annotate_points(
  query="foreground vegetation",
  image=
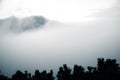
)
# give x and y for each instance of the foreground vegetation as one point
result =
(106, 70)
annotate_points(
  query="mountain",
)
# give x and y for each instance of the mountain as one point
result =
(18, 25)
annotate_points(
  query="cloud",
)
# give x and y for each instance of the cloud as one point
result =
(14, 24)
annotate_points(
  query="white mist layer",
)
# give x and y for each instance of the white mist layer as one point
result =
(49, 48)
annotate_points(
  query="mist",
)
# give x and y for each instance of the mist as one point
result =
(59, 43)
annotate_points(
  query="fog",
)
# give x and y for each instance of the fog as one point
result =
(57, 43)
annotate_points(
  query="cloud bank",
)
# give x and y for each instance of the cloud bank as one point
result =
(14, 24)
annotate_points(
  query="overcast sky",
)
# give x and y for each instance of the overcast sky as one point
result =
(61, 10)
(57, 43)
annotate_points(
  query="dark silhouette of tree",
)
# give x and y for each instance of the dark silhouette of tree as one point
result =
(60, 74)
(37, 75)
(100, 65)
(50, 75)
(2, 77)
(90, 69)
(43, 75)
(78, 73)
(18, 76)
(64, 73)
(29, 76)
(106, 70)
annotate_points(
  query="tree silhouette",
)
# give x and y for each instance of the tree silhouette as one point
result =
(64, 73)
(78, 72)
(18, 76)
(106, 70)
(50, 75)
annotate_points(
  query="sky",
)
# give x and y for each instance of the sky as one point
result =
(59, 43)
(60, 10)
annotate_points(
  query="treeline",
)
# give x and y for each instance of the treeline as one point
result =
(106, 70)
